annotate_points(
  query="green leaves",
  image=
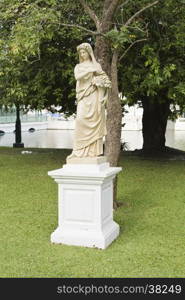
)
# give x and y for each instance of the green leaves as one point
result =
(156, 68)
(29, 31)
(157, 74)
(120, 38)
(37, 54)
(167, 71)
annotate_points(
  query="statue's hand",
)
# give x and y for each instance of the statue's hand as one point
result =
(98, 68)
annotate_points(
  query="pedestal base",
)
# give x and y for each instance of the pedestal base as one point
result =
(99, 239)
(85, 212)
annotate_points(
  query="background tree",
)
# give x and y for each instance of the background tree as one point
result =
(37, 56)
(37, 59)
(153, 72)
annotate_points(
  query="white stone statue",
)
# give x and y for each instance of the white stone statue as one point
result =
(92, 86)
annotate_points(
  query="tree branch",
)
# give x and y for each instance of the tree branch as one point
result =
(106, 4)
(110, 10)
(82, 28)
(138, 41)
(114, 59)
(139, 12)
(91, 13)
(136, 28)
(132, 27)
(123, 4)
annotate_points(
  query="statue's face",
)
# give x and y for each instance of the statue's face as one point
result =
(84, 55)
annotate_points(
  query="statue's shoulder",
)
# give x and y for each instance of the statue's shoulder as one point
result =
(77, 68)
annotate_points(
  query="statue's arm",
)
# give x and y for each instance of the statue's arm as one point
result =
(82, 72)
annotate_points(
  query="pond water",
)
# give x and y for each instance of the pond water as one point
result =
(63, 139)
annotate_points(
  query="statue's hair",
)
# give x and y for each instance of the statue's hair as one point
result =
(87, 47)
(84, 46)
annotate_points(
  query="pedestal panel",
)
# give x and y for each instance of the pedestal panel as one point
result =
(85, 214)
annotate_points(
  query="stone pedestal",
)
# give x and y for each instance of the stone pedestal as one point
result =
(85, 203)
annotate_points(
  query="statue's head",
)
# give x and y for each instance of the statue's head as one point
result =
(84, 48)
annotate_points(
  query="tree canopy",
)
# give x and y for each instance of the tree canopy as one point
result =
(153, 72)
(38, 54)
(38, 47)
(157, 64)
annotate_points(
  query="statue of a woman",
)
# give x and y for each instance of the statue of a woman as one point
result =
(92, 86)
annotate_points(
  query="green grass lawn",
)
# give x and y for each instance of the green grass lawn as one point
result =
(152, 220)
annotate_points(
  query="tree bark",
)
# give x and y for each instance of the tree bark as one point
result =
(114, 111)
(102, 54)
(155, 117)
(114, 117)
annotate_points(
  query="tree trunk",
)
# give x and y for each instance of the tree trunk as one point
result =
(114, 112)
(114, 116)
(155, 117)
(102, 54)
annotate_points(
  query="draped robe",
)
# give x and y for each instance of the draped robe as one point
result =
(90, 123)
